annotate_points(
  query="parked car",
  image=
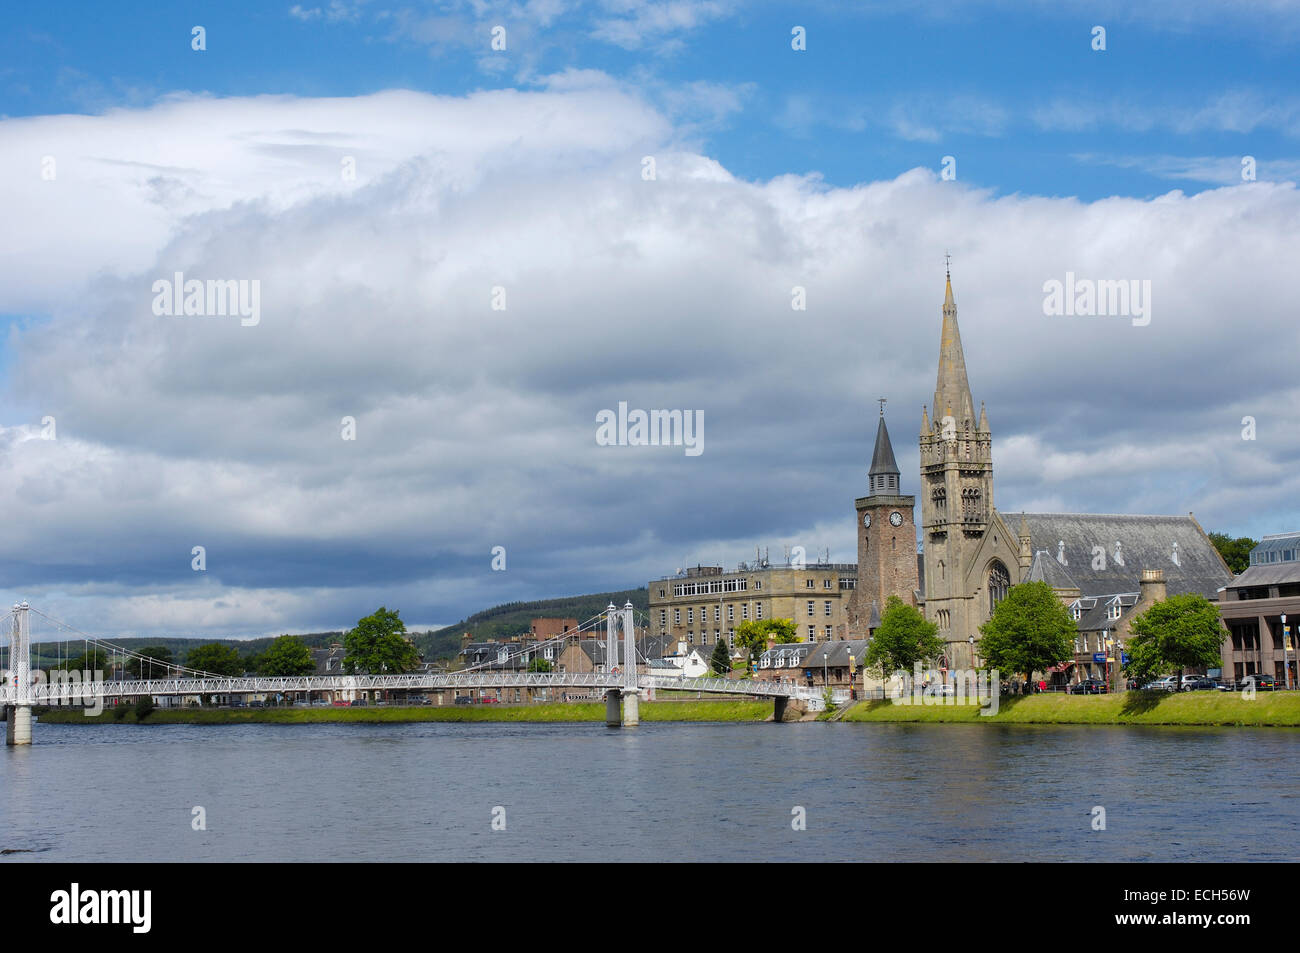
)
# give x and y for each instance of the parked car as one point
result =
(1089, 686)
(488, 700)
(1261, 682)
(1165, 684)
(342, 704)
(1201, 684)
(464, 700)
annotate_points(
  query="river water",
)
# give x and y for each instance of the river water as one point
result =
(671, 792)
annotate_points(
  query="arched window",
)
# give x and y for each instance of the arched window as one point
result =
(999, 583)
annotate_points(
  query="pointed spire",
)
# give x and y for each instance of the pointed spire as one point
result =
(984, 419)
(925, 421)
(951, 389)
(884, 474)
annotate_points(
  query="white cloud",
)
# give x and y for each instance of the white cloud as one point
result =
(476, 427)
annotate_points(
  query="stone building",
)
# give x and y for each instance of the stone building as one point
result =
(705, 603)
(973, 555)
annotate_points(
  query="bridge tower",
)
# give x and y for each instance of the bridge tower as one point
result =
(630, 714)
(18, 722)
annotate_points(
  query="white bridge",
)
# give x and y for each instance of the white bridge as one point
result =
(23, 690)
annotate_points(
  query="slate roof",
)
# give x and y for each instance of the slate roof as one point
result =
(1145, 542)
(1046, 569)
(1094, 617)
(1276, 574)
(839, 652)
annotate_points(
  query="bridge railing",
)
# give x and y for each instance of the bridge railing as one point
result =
(72, 692)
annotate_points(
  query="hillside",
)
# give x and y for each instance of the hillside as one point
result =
(498, 622)
(513, 618)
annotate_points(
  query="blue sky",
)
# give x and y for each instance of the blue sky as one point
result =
(476, 169)
(1014, 92)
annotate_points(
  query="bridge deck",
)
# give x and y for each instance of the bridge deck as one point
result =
(66, 691)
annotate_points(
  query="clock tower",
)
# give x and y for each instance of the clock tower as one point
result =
(886, 539)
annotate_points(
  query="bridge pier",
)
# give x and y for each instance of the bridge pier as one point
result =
(18, 725)
(631, 709)
(613, 717)
(778, 708)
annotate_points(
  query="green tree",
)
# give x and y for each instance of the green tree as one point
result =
(215, 658)
(1235, 552)
(752, 635)
(1029, 631)
(89, 661)
(378, 644)
(720, 660)
(287, 655)
(902, 639)
(1179, 633)
(143, 707)
(154, 664)
(540, 665)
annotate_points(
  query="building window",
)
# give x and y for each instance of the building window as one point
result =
(811, 609)
(731, 613)
(808, 584)
(812, 633)
(1076, 611)
(848, 583)
(717, 613)
(758, 583)
(758, 610)
(663, 618)
(828, 633)
(827, 604)
(677, 617)
(826, 583)
(744, 611)
(690, 616)
(661, 593)
(999, 583)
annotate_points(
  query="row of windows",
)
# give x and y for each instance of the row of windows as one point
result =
(812, 607)
(712, 585)
(1273, 556)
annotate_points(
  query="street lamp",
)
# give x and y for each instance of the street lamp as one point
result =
(1286, 646)
(826, 678)
(972, 651)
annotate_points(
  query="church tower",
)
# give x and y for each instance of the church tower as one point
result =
(969, 554)
(886, 537)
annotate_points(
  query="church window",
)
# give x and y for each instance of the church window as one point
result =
(999, 583)
(941, 569)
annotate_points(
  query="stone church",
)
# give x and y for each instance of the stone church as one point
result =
(1107, 568)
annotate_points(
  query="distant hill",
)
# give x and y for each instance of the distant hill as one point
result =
(513, 618)
(499, 622)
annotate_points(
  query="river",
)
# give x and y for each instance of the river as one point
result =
(659, 792)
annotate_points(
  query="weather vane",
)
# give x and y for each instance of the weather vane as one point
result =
(947, 259)
(882, 405)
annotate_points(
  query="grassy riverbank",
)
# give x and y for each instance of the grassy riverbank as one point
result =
(558, 712)
(1128, 708)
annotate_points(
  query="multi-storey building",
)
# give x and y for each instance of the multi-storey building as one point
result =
(705, 603)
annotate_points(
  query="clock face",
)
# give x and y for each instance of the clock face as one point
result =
(866, 520)
(896, 518)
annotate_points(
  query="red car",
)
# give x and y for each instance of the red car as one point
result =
(485, 700)
(343, 704)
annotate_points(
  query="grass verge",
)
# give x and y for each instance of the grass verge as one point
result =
(1267, 709)
(557, 712)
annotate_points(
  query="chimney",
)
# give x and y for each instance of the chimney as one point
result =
(1153, 586)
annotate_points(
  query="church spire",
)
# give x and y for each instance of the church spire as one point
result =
(884, 474)
(951, 389)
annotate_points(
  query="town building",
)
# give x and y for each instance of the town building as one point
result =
(1253, 606)
(972, 555)
(704, 604)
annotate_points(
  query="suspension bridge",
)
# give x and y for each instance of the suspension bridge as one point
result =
(622, 685)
